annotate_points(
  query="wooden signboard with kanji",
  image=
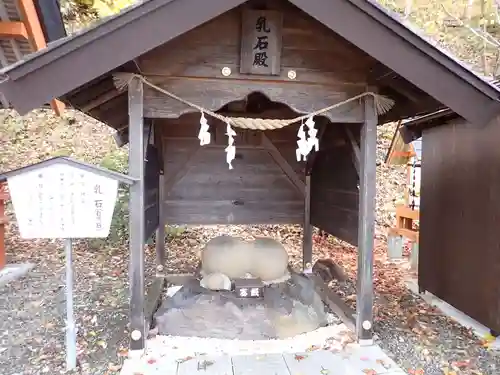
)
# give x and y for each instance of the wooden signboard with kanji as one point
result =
(261, 42)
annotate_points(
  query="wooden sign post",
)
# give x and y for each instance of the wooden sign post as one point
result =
(64, 198)
(261, 42)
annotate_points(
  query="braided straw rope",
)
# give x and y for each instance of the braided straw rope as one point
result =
(382, 105)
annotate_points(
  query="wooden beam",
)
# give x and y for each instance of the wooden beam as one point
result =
(13, 30)
(153, 297)
(100, 100)
(366, 223)
(30, 18)
(136, 208)
(333, 301)
(283, 164)
(179, 173)
(57, 106)
(307, 232)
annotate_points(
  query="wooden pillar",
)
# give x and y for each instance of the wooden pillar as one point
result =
(160, 232)
(136, 220)
(307, 243)
(366, 222)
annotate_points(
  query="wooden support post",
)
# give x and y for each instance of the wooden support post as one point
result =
(137, 216)
(160, 232)
(307, 243)
(3, 222)
(366, 222)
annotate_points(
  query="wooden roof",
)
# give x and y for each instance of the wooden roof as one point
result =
(404, 56)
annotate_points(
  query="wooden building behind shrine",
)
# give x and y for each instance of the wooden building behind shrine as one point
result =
(459, 253)
(260, 59)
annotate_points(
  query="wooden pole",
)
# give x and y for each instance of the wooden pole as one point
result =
(307, 243)
(366, 222)
(160, 232)
(3, 222)
(70, 319)
(161, 256)
(137, 215)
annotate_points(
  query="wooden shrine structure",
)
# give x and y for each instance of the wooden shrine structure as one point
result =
(252, 68)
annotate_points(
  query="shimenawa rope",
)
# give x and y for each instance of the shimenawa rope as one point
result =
(382, 105)
(305, 144)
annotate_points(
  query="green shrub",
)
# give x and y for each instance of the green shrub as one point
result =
(117, 161)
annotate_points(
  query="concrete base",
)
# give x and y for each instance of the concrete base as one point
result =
(13, 272)
(414, 257)
(394, 247)
(453, 313)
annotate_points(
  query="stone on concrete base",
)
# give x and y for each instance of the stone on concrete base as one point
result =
(394, 247)
(13, 272)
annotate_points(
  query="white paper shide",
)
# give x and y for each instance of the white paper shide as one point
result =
(62, 201)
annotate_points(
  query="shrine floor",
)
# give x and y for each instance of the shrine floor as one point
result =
(353, 360)
(325, 351)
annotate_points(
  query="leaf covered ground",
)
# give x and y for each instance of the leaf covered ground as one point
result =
(32, 309)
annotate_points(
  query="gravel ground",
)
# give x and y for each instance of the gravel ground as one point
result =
(32, 312)
(414, 334)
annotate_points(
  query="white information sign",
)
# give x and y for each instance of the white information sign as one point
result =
(63, 201)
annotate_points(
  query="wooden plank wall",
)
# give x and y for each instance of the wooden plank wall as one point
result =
(200, 189)
(334, 181)
(328, 68)
(459, 254)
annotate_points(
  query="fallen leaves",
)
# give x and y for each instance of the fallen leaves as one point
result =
(182, 360)
(102, 344)
(299, 357)
(447, 371)
(383, 363)
(313, 348)
(114, 368)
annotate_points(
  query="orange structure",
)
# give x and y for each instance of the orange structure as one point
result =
(21, 27)
(22, 33)
(407, 213)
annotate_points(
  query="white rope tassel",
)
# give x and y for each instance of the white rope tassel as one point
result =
(302, 144)
(204, 134)
(230, 149)
(313, 141)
